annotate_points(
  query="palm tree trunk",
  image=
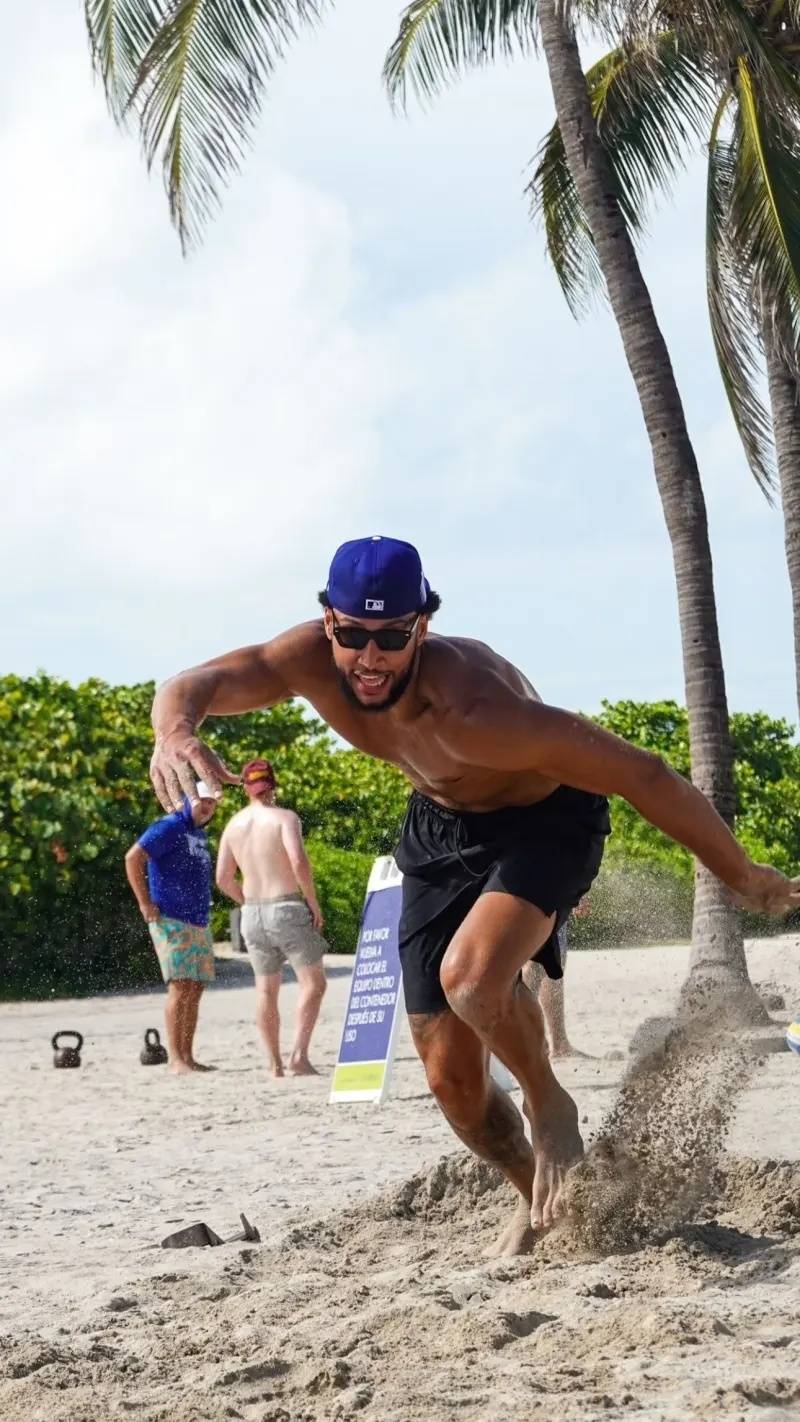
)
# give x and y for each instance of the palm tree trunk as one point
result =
(717, 961)
(785, 401)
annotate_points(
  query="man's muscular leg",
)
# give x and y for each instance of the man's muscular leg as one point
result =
(482, 1116)
(479, 977)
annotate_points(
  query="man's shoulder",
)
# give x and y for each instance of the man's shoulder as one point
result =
(298, 658)
(462, 670)
(299, 645)
(466, 652)
(261, 815)
(163, 834)
(241, 826)
(165, 824)
(283, 815)
(239, 817)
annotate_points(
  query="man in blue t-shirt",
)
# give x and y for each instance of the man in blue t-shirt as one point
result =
(169, 871)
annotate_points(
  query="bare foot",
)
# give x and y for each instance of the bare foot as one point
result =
(302, 1068)
(517, 1237)
(275, 1070)
(180, 1069)
(557, 1146)
(198, 1066)
(560, 1051)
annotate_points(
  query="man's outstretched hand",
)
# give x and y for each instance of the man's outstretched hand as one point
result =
(179, 760)
(766, 890)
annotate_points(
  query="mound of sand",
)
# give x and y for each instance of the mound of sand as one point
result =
(672, 1293)
(656, 1160)
(384, 1313)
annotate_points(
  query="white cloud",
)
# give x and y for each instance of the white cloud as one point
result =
(368, 340)
(159, 431)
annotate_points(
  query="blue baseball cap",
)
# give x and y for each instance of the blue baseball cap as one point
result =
(377, 577)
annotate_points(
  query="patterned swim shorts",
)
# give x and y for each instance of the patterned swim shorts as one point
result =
(185, 950)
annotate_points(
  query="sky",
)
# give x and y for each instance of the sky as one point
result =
(370, 340)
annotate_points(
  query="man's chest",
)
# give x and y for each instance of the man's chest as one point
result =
(418, 747)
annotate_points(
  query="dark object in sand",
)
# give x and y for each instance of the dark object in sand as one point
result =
(197, 1235)
(152, 1053)
(67, 1056)
(249, 1232)
(192, 1236)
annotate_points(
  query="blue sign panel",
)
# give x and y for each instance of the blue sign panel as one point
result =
(375, 1004)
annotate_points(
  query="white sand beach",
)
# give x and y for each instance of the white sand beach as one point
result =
(367, 1294)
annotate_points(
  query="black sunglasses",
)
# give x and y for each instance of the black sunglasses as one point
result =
(354, 637)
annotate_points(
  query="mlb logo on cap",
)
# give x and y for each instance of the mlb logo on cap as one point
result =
(377, 576)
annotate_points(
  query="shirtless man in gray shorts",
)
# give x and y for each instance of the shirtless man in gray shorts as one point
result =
(280, 924)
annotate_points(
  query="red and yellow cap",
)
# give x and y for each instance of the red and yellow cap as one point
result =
(258, 776)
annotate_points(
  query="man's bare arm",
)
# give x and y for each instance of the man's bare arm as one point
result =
(574, 751)
(227, 870)
(245, 680)
(292, 837)
(136, 872)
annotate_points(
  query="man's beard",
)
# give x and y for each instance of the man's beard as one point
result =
(399, 687)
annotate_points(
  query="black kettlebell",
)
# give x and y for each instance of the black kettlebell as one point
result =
(67, 1056)
(152, 1053)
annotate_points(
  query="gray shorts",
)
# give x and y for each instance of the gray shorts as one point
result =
(278, 931)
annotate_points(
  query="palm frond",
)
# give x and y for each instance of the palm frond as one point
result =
(199, 92)
(570, 245)
(440, 39)
(652, 104)
(734, 327)
(120, 33)
(727, 31)
(765, 206)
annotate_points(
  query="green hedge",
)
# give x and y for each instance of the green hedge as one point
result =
(644, 892)
(74, 795)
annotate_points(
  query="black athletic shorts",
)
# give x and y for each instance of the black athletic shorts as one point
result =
(547, 853)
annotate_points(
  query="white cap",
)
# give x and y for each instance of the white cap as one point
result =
(203, 792)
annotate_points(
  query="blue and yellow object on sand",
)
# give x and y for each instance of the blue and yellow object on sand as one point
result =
(793, 1035)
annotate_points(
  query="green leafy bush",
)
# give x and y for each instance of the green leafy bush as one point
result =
(766, 774)
(74, 795)
(341, 876)
(767, 780)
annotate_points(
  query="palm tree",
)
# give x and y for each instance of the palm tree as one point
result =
(784, 394)
(194, 72)
(735, 87)
(437, 40)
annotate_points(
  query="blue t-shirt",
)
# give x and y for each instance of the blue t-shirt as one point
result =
(179, 867)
